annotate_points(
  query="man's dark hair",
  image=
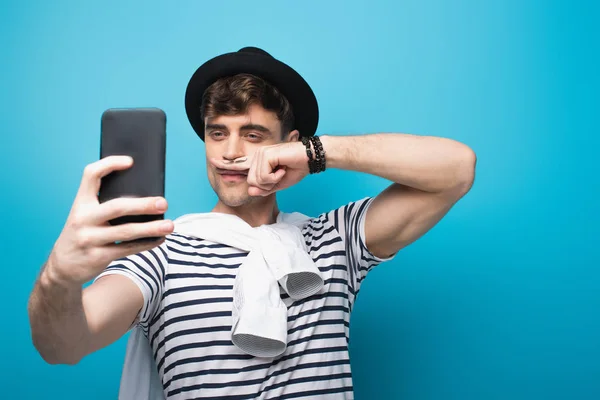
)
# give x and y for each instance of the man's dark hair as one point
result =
(233, 95)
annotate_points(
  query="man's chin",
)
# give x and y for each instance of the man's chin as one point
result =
(235, 201)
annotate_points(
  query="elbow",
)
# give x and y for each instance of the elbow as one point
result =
(58, 359)
(53, 359)
(65, 361)
(53, 356)
(465, 176)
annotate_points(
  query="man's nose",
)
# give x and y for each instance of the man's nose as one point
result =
(234, 148)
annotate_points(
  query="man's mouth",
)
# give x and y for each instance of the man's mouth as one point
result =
(231, 172)
(232, 176)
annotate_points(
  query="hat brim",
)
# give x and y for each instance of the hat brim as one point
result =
(283, 77)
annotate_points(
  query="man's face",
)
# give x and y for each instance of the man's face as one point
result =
(231, 137)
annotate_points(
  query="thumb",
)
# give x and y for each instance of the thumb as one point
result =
(278, 174)
(94, 172)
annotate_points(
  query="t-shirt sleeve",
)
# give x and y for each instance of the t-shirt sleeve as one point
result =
(349, 221)
(147, 271)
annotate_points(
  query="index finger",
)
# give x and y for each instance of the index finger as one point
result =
(94, 172)
(242, 166)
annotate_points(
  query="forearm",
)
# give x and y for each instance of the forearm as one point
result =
(58, 324)
(427, 163)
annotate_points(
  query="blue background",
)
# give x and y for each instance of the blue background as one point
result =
(500, 300)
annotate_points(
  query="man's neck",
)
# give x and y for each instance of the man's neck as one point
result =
(255, 214)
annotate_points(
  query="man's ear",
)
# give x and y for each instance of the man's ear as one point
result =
(293, 136)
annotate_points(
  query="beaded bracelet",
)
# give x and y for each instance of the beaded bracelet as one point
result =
(316, 164)
(319, 152)
(306, 143)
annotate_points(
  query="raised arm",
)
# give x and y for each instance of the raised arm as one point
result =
(430, 175)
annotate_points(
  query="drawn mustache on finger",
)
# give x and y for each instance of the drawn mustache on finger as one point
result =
(237, 160)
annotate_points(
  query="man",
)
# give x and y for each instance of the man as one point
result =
(257, 117)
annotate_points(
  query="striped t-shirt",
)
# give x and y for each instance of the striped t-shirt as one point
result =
(187, 285)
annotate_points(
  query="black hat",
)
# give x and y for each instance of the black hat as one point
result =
(255, 61)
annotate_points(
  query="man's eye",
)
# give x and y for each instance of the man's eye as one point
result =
(253, 136)
(216, 134)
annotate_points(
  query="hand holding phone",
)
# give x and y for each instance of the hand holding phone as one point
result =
(88, 242)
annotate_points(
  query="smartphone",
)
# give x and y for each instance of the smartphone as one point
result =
(141, 134)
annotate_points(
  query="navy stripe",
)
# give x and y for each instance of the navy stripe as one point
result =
(369, 260)
(166, 258)
(335, 335)
(198, 275)
(292, 343)
(165, 255)
(323, 322)
(318, 364)
(202, 264)
(230, 397)
(336, 219)
(318, 297)
(198, 245)
(329, 255)
(192, 346)
(316, 393)
(216, 385)
(160, 264)
(243, 383)
(195, 317)
(317, 311)
(152, 276)
(324, 243)
(181, 304)
(321, 350)
(357, 233)
(189, 317)
(258, 381)
(342, 282)
(231, 357)
(184, 332)
(348, 245)
(315, 226)
(312, 238)
(209, 255)
(336, 280)
(212, 357)
(305, 380)
(351, 290)
(260, 366)
(196, 288)
(194, 302)
(210, 329)
(251, 368)
(348, 212)
(338, 267)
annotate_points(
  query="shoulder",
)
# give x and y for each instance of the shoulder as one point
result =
(338, 218)
(343, 213)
